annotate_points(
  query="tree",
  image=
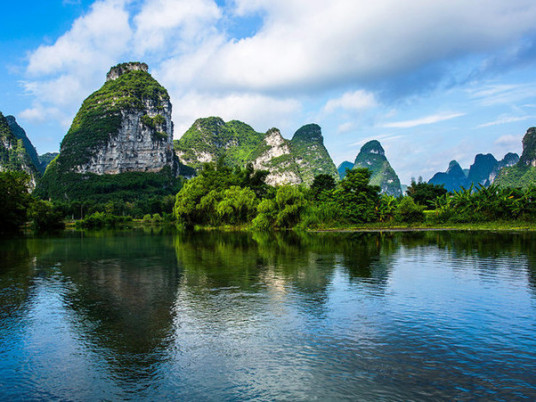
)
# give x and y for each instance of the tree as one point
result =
(356, 197)
(14, 200)
(425, 194)
(45, 216)
(321, 186)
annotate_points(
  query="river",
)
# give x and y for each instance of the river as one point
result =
(157, 314)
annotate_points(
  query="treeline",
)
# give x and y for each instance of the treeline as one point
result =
(223, 196)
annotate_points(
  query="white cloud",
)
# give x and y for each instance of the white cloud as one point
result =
(175, 24)
(504, 120)
(356, 100)
(303, 47)
(509, 140)
(345, 127)
(248, 108)
(436, 118)
(93, 41)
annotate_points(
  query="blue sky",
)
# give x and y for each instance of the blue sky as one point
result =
(432, 81)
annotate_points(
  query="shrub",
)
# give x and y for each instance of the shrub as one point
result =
(408, 211)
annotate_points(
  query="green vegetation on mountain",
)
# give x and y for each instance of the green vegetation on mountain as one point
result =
(372, 157)
(523, 173)
(299, 160)
(13, 153)
(311, 155)
(19, 132)
(100, 115)
(46, 158)
(210, 138)
(124, 100)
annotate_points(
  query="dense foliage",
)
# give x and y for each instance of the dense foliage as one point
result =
(19, 207)
(425, 194)
(130, 193)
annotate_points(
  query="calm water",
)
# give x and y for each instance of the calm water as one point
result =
(219, 316)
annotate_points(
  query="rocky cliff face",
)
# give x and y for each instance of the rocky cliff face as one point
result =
(453, 179)
(14, 155)
(123, 127)
(372, 156)
(311, 155)
(274, 154)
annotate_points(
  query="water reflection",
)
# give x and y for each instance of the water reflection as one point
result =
(166, 315)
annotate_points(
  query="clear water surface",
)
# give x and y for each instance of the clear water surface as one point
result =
(158, 315)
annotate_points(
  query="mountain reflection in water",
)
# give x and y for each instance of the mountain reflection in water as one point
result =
(158, 314)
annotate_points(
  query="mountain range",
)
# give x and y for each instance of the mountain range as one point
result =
(125, 129)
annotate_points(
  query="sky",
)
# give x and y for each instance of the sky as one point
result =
(433, 81)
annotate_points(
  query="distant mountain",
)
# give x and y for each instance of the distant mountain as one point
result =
(481, 170)
(523, 173)
(288, 161)
(372, 156)
(453, 179)
(14, 155)
(311, 155)
(343, 167)
(45, 159)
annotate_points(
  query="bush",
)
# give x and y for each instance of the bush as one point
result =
(408, 211)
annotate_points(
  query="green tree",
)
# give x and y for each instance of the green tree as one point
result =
(237, 205)
(425, 194)
(321, 186)
(45, 216)
(356, 197)
(14, 200)
(408, 211)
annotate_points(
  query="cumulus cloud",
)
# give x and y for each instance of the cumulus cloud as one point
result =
(244, 107)
(93, 41)
(356, 100)
(175, 24)
(435, 118)
(321, 45)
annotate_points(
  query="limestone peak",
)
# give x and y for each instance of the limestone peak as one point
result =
(123, 68)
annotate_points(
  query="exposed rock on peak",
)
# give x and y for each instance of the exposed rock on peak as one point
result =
(372, 156)
(274, 154)
(123, 68)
